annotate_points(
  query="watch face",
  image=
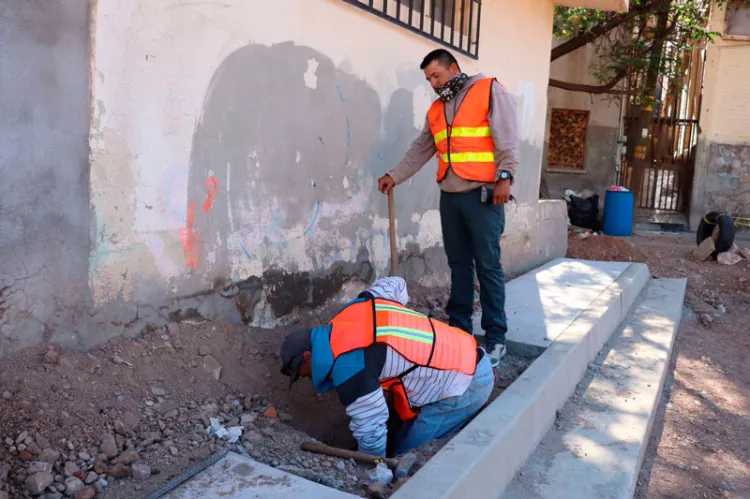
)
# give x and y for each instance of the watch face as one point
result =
(505, 175)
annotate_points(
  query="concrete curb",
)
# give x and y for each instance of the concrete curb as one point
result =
(484, 457)
(597, 445)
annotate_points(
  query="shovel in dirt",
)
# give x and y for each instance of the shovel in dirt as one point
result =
(392, 233)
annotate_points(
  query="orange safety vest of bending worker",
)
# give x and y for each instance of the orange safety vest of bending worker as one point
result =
(422, 341)
(466, 145)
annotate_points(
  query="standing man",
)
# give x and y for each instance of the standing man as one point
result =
(472, 129)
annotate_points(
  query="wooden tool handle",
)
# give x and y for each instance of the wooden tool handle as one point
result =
(392, 233)
(347, 454)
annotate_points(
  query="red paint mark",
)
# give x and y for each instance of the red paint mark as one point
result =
(189, 238)
(212, 186)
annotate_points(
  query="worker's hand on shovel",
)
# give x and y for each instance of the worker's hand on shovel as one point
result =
(386, 184)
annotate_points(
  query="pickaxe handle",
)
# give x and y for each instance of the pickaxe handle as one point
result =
(347, 454)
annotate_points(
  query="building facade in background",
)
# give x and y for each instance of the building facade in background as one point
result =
(171, 159)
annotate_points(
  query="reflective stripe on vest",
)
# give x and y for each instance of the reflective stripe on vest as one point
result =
(466, 146)
(422, 341)
(464, 131)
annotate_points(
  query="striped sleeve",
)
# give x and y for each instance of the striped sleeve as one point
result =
(369, 415)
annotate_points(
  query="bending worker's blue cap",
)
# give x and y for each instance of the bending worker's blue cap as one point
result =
(292, 353)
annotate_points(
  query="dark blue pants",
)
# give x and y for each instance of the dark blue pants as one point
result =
(471, 236)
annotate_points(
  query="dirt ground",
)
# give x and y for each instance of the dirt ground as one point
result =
(129, 416)
(700, 445)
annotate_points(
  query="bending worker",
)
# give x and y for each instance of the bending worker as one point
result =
(436, 375)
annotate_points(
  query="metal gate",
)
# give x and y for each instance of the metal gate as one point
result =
(666, 183)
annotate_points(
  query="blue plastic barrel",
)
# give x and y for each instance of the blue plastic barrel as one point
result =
(618, 213)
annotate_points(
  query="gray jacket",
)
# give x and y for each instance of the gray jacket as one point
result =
(502, 118)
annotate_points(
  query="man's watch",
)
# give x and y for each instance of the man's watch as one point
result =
(506, 176)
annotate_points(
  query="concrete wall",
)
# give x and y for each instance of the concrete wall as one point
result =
(601, 137)
(722, 169)
(44, 208)
(233, 154)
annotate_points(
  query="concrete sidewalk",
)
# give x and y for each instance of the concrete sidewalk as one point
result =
(596, 447)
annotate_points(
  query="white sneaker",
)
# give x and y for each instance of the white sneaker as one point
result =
(497, 353)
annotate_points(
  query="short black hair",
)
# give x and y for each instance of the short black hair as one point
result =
(443, 56)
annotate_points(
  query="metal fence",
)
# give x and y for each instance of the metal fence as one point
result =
(452, 23)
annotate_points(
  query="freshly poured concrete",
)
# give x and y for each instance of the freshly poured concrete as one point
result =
(483, 458)
(544, 303)
(596, 448)
(238, 477)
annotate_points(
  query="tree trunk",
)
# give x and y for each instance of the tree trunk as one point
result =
(639, 152)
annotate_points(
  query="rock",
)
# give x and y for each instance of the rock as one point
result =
(51, 357)
(38, 467)
(151, 438)
(141, 471)
(271, 413)
(120, 471)
(42, 442)
(254, 437)
(53, 495)
(37, 482)
(707, 320)
(72, 486)
(377, 490)
(704, 250)
(744, 252)
(91, 477)
(340, 466)
(87, 493)
(118, 360)
(84, 456)
(109, 446)
(34, 448)
(173, 450)
(100, 466)
(203, 351)
(127, 457)
(247, 403)
(7, 395)
(4, 495)
(25, 455)
(212, 367)
(247, 419)
(49, 456)
(70, 468)
(729, 258)
(159, 392)
(22, 437)
(120, 428)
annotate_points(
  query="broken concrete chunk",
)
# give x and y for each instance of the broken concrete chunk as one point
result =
(109, 446)
(405, 465)
(141, 471)
(212, 367)
(729, 258)
(704, 250)
(37, 482)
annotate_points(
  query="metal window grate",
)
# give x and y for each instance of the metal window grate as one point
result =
(453, 23)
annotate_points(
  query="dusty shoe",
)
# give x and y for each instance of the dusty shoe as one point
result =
(496, 352)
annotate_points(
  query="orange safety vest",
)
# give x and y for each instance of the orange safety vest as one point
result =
(421, 340)
(466, 145)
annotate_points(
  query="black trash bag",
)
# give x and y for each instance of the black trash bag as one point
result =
(584, 212)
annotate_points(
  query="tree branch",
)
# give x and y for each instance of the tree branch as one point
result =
(591, 89)
(589, 36)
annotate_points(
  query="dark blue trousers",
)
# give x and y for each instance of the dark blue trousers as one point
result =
(471, 236)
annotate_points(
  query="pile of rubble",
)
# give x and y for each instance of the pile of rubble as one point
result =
(132, 414)
(133, 450)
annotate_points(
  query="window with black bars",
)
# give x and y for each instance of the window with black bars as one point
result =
(453, 23)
